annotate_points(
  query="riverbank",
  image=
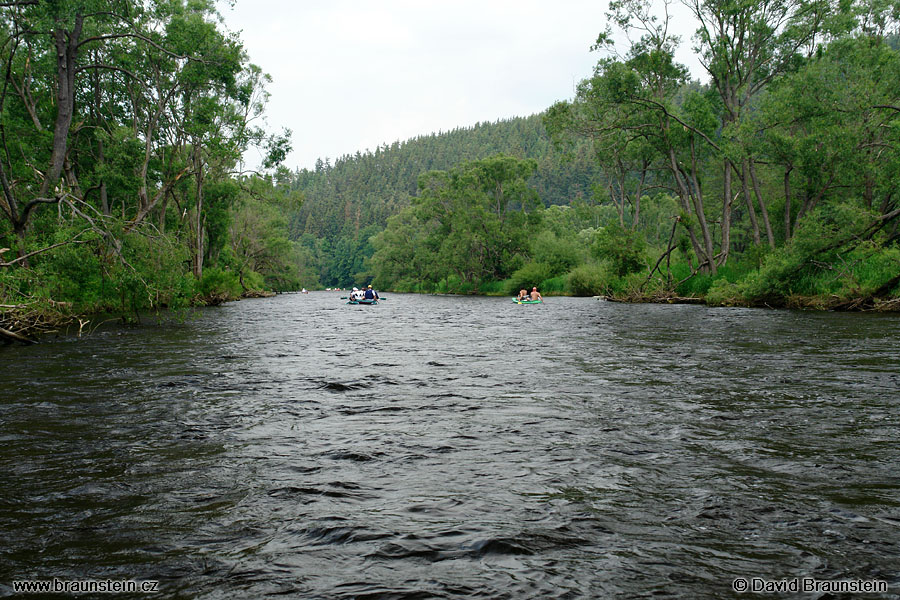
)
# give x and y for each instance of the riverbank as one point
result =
(24, 322)
(793, 301)
(821, 303)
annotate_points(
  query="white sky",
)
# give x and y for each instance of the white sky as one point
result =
(351, 75)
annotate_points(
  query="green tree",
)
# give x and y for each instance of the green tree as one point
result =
(130, 117)
(470, 222)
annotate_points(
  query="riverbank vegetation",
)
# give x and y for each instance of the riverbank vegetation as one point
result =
(773, 182)
(122, 125)
(783, 168)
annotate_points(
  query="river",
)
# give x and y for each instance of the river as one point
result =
(455, 447)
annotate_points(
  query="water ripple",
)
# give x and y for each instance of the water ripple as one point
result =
(455, 447)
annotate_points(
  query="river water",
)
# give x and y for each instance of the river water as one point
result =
(455, 447)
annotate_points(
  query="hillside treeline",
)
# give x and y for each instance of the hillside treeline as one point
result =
(350, 201)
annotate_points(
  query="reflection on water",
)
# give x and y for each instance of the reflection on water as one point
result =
(455, 447)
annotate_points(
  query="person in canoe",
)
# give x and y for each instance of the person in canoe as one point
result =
(523, 295)
(536, 295)
(370, 294)
(356, 295)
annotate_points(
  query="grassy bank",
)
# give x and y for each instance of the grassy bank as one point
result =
(865, 279)
(32, 306)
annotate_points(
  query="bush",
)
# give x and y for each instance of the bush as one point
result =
(254, 281)
(560, 254)
(94, 279)
(631, 287)
(876, 270)
(493, 288)
(587, 280)
(725, 293)
(554, 285)
(157, 276)
(529, 276)
(624, 249)
(812, 264)
(73, 274)
(218, 283)
(700, 284)
(449, 285)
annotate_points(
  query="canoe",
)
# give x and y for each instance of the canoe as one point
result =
(363, 302)
(527, 301)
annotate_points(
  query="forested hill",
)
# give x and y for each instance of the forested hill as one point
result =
(361, 190)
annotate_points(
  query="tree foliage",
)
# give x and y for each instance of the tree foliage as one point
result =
(122, 125)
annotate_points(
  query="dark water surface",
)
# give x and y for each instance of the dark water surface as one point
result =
(456, 447)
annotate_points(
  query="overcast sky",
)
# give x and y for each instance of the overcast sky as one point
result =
(350, 75)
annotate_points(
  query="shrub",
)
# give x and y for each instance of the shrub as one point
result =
(217, 282)
(560, 254)
(587, 280)
(253, 281)
(700, 284)
(624, 249)
(529, 276)
(554, 285)
(725, 293)
(877, 270)
(811, 264)
(493, 288)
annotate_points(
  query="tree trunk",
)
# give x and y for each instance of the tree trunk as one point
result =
(787, 203)
(163, 204)
(72, 179)
(104, 199)
(727, 201)
(637, 196)
(198, 173)
(748, 199)
(704, 228)
(762, 206)
(66, 52)
(66, 44)
(101, 153)
(615, 199)
(687, 195)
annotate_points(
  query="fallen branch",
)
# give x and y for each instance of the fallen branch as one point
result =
(21, 322)
(11, 335)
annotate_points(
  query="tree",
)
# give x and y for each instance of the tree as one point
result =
(470, 222)
(131, 116)
(833, 128)
(744, 45)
